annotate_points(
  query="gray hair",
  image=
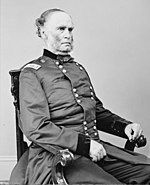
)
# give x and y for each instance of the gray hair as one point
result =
(42, 19)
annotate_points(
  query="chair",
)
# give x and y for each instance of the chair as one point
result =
(62, 157)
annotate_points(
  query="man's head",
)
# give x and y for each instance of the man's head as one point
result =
(55, 27)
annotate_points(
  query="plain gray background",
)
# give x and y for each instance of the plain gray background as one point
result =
(112, 41)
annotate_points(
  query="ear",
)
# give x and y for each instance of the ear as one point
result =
(43, 34)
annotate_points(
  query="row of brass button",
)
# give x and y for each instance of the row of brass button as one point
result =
(78, 100)
(86, 128)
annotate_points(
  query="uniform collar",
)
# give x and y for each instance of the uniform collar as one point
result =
(61, 58)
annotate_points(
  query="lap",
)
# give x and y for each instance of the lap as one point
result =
(126, 172)
(84, 171)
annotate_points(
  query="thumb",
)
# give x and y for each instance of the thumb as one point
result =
(128, 132)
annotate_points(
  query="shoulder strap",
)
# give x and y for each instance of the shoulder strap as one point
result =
(33, 66)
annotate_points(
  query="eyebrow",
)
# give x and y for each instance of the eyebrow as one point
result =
(63, 26)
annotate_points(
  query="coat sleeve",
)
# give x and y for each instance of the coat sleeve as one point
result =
(110, 122)
(36, 121)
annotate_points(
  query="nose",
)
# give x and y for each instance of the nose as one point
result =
(67, 34)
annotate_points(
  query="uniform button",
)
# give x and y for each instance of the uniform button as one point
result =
(95, 121)
(64, 71)
(79, 101)
(92, 98)
(92, 93)
(81, 68)
(66, 59)
(74, 90)
(60, 66)
(94, 127)
(57, 63)
(42, 60)
(91, 87)
(86, 134)
(76, 95)
(84, 122)
(95, 133)
(77, 64)
(85, 128)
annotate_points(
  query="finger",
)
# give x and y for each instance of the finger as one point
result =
(137, 132)
(104, 152)
(128, 132)
(130, 136)
(140, 133)
(99, 156)
(94, 158)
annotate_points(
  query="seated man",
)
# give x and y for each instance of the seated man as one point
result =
(59, 110)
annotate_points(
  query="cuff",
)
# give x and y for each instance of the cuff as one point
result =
(119, 127)
(83, 146)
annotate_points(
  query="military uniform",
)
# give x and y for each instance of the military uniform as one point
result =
(59, 110)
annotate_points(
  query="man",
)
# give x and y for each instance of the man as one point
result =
(59, 110)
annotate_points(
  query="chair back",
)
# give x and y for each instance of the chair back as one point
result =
(21, 144)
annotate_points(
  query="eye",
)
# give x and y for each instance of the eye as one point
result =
(70, 29)
(62, 28)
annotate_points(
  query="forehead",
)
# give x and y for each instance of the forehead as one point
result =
(59, 19)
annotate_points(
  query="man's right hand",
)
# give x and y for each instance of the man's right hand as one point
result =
(97, 151)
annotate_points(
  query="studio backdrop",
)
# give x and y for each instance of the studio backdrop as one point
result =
(112, 41)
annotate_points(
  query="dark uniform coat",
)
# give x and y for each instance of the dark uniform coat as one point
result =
(59, 110)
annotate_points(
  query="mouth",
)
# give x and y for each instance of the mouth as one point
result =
(67, 43)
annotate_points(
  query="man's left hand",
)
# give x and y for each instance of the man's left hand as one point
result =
(133, 131)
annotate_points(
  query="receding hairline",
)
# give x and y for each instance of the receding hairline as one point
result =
(49, 13)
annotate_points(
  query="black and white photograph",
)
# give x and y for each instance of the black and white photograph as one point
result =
(75, 92)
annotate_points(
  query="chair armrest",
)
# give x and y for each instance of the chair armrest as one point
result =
(61, 159)
(140, 142)
(130, 145)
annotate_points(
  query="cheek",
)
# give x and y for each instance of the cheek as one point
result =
(58, 38)
(54, 38)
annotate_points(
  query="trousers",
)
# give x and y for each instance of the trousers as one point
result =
(113, 171)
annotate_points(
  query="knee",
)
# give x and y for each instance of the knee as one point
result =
(146, 170)
(146, 173)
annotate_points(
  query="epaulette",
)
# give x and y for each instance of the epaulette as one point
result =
(33, 66)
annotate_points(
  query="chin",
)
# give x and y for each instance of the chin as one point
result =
(66, 48)
(65, 51)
